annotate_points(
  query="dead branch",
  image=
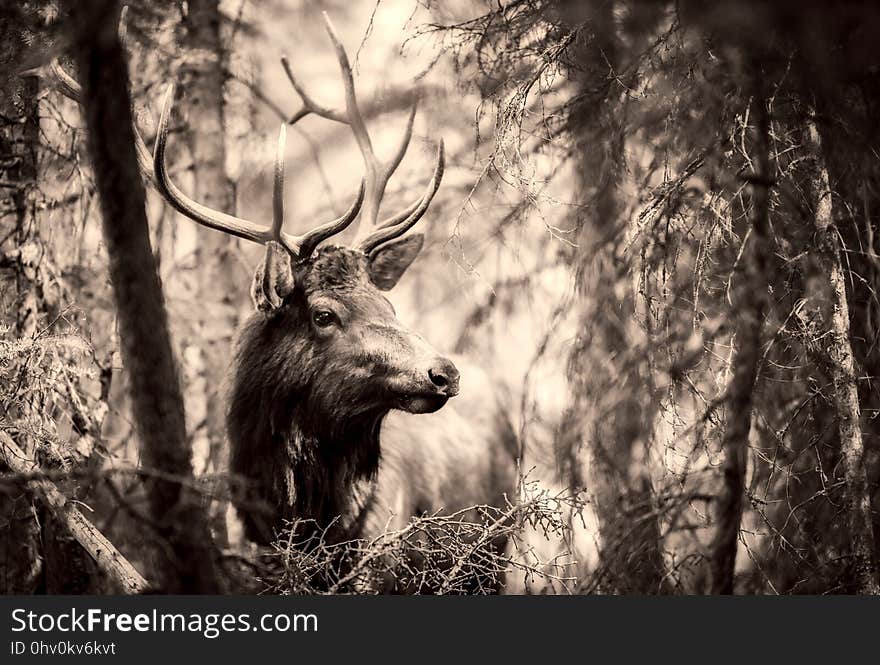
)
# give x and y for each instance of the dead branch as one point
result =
(109, 559)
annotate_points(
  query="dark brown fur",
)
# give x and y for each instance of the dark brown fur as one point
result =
(308, 410)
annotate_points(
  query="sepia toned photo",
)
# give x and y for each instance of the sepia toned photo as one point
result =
(416, 297)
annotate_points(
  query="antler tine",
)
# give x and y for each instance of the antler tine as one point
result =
(394, 162)
(213, 219)
(156, 171)
(122, 28)
(66, 83)
(353, 112)
(309, 104)
(70, 88)
(386, 233)
(377, 173)
(278, 186)
(399, 217)
(309, 241)
(302, 246)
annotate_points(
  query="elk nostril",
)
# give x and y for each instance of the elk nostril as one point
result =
(444, 375)
(438, 377)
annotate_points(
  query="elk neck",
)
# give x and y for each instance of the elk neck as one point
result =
(330, 472)
(304, 455)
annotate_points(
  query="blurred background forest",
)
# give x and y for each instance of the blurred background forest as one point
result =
(655, 231)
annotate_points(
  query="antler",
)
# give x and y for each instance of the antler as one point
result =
(70, 88)
(155, 170)
(300, 246)
(377, 173)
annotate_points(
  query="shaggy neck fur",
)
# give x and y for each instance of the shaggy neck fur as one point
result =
(300, 455)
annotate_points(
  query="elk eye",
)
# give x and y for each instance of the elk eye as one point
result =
(323, 318)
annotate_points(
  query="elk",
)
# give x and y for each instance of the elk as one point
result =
(338, 414)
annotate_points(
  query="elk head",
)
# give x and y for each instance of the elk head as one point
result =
(323, 307)
(329, 314)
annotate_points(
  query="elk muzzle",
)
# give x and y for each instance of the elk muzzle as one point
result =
(425, 386)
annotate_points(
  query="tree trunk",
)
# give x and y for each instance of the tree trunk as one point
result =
(29, 306)
(842, 365)
(219, 293)
(750, 306)
(848, 131)
(612, 405)
(187, 554)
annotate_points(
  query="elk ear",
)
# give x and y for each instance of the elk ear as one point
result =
(389, 261)
(273, 280)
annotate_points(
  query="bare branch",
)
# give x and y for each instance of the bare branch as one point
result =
(109, 559)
